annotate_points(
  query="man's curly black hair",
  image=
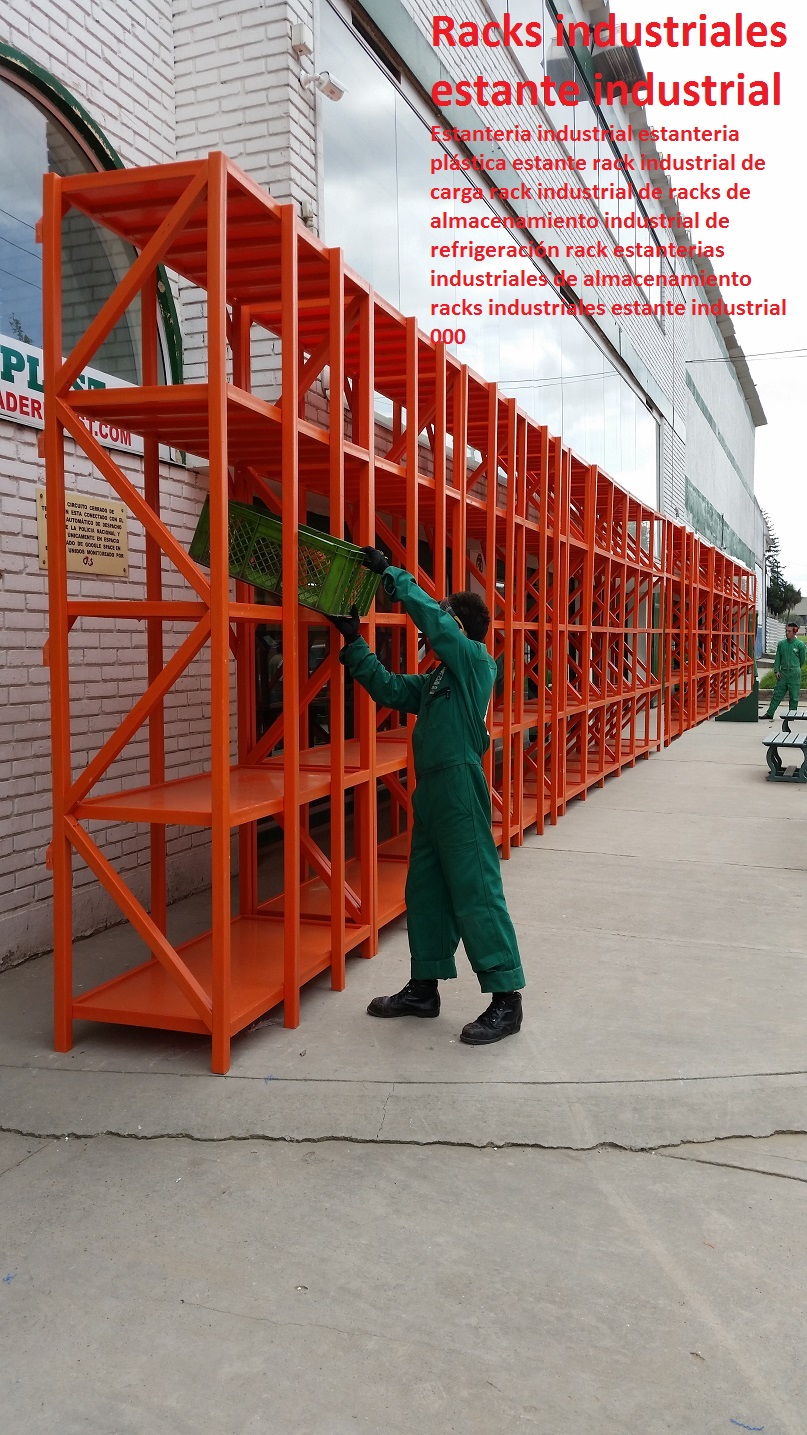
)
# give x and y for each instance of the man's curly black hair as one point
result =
(473, 613)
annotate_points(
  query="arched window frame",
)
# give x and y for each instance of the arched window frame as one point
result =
(32, 79)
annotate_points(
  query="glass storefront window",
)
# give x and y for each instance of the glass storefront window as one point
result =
(559, 62)
(34, 141)
(587, 119)
(377, 208)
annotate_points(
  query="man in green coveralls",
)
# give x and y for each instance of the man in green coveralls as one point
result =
(787, 666)
(454, 885)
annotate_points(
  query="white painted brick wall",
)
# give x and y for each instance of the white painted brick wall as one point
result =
(118, 61)
(238, 90)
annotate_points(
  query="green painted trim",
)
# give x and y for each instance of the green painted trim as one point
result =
(746, 710)
(73, 110)
(710, 523)
(704, 408)
(735, 545)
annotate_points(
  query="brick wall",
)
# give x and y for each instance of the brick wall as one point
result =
(118, 61)
(238, 90)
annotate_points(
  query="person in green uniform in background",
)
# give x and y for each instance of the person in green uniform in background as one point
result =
(453, 886)
(787, 666)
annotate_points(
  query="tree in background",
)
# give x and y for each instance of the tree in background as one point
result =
(782, 596)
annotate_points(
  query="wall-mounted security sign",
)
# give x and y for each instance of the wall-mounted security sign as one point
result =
(97, 540)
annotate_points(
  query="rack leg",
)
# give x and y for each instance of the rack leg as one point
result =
(62, 945)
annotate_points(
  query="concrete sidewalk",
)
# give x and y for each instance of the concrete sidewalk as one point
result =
(393, 1270)
(662, 927)
(250, 1288)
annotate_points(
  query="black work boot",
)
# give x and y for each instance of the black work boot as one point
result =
(416, 999)
(502, 1018)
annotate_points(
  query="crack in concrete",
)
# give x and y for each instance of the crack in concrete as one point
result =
(733, 1165)
(405, 1081)
(351, 1333)
(389, 1094)
(678, 861)
(499, 1144)
(15, 1167)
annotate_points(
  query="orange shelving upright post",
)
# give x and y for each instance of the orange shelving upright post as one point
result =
(154, 593)
(518, 599)
(61, 852)
(217, 257)
(508, 430)
(289, 413)
(336, 502)
(365, 810)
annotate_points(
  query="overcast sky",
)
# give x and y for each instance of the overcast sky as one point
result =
(766, 237)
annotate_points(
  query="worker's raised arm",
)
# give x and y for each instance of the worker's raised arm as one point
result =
(401, 691)
(452, 646)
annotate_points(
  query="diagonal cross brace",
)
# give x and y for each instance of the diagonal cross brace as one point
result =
(322, 866)
(273, 734)
(134, 720)
(319, 358)
(121, 297)
(140, 920)
(134, 500)
(397, 449)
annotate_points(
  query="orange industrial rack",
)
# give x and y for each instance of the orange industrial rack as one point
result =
(617, 629)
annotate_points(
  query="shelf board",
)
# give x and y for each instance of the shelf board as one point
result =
(391, 756)
(147, 996)
(177, 415)
(315, 895)
(395, 849)
(392, 751)
(255, 792)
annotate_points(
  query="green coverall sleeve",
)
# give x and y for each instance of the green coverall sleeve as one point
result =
(802, 653)
(401, 691)
(452, 646)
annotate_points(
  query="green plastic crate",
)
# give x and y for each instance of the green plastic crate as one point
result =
(330, 573)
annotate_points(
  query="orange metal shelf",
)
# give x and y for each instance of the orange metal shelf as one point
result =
(137, 207)
(628, 627)
(392, 751)
(146, 996)
(315, 895)
(255, 792)
(178, 415)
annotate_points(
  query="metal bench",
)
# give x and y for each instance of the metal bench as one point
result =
(800, 715)
(792, 742)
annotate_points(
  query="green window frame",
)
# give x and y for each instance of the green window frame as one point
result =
(15, 65)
